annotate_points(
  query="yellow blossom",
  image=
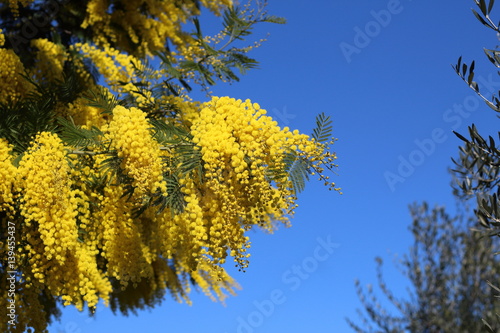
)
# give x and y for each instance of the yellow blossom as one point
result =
(130, 135)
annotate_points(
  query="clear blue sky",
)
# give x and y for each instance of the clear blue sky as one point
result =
(394, 98)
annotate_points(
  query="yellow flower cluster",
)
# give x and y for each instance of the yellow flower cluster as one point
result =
(239, 142)
(12, 85)
(83, 114)
(138, 249)
(97, 14)
(7, 176)
(14, 5)
(114, 65)
(138, 33)
(47, 198)
(28, 307)
(217, 6)
(50, 206)
(121, 238)
(50, 60)
(214, 281)
(240, 147)
(130, 136)
(117, 68)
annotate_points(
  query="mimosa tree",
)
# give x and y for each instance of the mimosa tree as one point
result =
(115, 185)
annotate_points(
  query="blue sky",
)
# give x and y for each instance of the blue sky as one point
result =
(394, 100)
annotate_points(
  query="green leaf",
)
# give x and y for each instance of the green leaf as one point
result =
(475, 136)
(492, 145)
(471, 73)
(487, 326)
(71, 86)
(197, 26)
(490, 6)
(76, 136)
(166, 133)
(190, 158)
(323, 130)
(490, 57)
(102, 100)
(174, 200)
(481, 19)
(457, 67)
(274, 19)
(298, 170)
(461, 137)
(482, 6)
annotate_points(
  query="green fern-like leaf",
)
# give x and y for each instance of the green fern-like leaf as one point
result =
(241, 61)
(174, 200)
(191, 159)
(71, 86)
(274, 19)
(298, 170)
(276, 174)
(178, 141)
(102, 100)
(167, 133)
(21, 121)
(75, 136)
(323, 131)
(235, 24)
(112, 168)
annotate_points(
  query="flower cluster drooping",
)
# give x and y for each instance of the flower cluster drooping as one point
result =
(147, 32)
(242, 148)
(12, 85)
(114, 65)
(14, 5)
(130, 136)
(51, 209)
(7, 176)
(49, 61)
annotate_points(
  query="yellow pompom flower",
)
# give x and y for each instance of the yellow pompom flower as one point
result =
(2, 38)
(14, 5)
(130, 136)
(114, 65)
(47, 195)
(85, 115)
(50, 206)
(7, 175)
(243, 151)
(12, 85)
(50, 60)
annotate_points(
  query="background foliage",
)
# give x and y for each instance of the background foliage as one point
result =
(453, 265)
